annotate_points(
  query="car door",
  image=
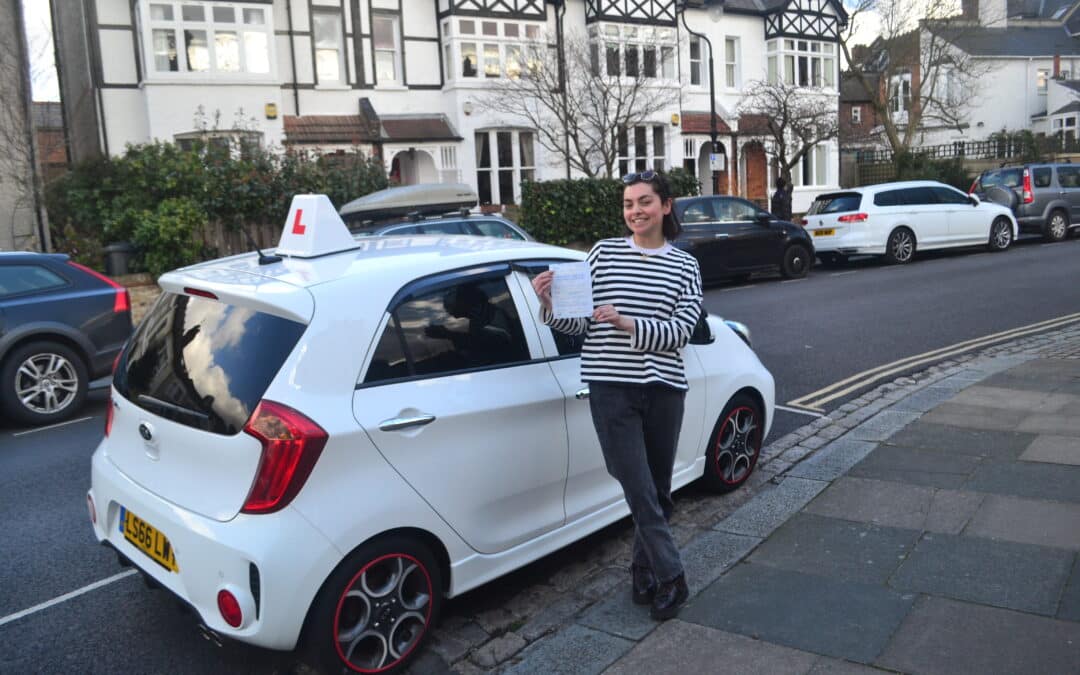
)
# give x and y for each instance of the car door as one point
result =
(926, 218)
(589, 487)
(1069, 184)
(968, 224)
(701, 237)
(749, 244)
(458, 399)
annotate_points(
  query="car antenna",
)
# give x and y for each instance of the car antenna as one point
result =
(263, 258)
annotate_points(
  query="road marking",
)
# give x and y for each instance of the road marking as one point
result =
(798, 411)
(736, 288)
(65, 597)
(840, 274)
(793, 281)
(815, 400)
(53, 426)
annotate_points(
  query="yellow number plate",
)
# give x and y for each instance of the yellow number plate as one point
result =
(148, 539)
(824, 233)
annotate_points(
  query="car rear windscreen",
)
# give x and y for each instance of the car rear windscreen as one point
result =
(836, 202)
(1010, 178)
(204, 363)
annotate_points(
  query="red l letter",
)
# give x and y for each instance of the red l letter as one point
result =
(297, 226)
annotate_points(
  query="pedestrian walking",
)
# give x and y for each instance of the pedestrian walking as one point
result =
(648, 299)
(781, 200)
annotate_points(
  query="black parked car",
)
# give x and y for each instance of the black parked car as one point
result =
(733, 238)
(61, 326)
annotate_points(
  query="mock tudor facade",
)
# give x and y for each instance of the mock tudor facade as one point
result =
(405, 79)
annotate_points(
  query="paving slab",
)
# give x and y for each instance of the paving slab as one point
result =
(1061, 425)
(924, 399)
(1023, 400)
(818, 614)
(618, 615)
(1069, 607)
(680, 647)
(1037, 480)
(850, 551)
(575, 650)
(767, 510)
(999, 573)
(1028, 521)
(960, 440)
(1064, 369)
(899, 505)
(976, 417)
(917, 466)
(713, 553)
(945, 637)
(882, 425)
(833, 460)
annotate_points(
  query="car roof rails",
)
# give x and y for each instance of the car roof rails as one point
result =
(410, 201)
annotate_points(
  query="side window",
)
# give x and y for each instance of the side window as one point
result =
(948, 196)
(887, 198)
(1041, 177)
(17, 279)
(468, 325)
(734, 210)
(406, 230)
(436, 227)
(1068, 176)
(493, 228)
(697, 212)
(919, 196)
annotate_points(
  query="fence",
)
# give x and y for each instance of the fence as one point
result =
(1017, 148)
(229, 241)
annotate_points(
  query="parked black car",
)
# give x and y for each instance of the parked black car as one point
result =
(733, 238)
(61, 326)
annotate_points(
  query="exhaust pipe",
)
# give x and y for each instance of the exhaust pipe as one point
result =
(209, 635)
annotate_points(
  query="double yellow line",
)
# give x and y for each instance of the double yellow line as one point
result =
(815, 400)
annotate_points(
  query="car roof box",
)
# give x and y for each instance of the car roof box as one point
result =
(423, 199)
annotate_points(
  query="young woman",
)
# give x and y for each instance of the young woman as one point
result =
(648, 299)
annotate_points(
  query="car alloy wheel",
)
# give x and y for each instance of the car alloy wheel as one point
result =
(901, 246)
(1057, 227)
(1000, 235)
(46, 383)
(796, 262)
(736, 445)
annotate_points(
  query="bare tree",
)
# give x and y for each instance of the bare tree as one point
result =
(798, 119)
(587, 124)
(915, 76)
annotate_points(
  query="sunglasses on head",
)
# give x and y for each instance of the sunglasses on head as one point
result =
(639, 176)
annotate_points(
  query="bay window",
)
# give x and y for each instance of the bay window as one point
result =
(205, 38)
(641, 148)
(504, 158)
(634, 51)
(507, 48)
(803, 63)
(813, 168)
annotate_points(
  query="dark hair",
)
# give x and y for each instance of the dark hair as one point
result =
(662, 187)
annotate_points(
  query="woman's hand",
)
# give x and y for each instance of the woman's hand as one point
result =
(608, 314)
(541, 283)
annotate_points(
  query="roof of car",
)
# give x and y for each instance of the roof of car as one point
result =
(30, 256)
(900, 185)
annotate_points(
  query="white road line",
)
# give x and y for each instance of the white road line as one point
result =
(736, 288)
(798, 411)
(840, 274)
(793, 281)
(65, 597)
(53, 426)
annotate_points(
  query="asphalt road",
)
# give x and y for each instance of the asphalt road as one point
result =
(810, 333)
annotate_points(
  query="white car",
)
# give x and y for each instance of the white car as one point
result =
(317, 450)
(896, 219)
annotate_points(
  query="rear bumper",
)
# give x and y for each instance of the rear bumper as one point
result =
(849, 243)
(291, 558)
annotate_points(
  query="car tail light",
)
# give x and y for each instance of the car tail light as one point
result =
(229, 607)
(853, 218)
(804, 222)
(974, 186)
(291, 445)
(108, 416)
(1028, 196)
(122, 302)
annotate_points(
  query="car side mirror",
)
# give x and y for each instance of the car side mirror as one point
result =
(974, 200)
(764, 218)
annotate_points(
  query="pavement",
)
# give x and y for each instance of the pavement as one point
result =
(929, 526)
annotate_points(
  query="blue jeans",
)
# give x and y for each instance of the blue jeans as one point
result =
(638, 428)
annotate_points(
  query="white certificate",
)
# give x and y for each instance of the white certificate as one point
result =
(571, 290)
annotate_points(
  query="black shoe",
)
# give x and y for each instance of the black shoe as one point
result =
(644, 584)
(669, 598)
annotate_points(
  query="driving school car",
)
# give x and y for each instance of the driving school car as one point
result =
(317, 448)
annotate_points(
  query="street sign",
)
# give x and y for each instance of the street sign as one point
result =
(717, 161)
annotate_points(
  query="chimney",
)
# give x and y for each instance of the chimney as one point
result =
(992, 13)
(1057, 66)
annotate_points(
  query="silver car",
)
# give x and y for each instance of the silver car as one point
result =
(1045, 198)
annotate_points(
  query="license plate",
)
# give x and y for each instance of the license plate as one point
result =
(824, 233)
(148, 539)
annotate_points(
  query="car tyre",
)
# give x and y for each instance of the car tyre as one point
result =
(1001, 235)
(42, 383)
(1057, 226)
(376, 609)
(796, 263)
(900, 248)
(735, 444)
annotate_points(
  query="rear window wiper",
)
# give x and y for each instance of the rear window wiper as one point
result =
(175, 412)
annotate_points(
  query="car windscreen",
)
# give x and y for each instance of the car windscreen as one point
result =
(835, 202)
(203, 363)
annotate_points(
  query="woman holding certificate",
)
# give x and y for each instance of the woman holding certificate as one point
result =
(647, 299)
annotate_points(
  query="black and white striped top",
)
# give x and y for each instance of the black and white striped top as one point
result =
(662, 293)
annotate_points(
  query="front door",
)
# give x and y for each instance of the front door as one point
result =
(454, 399)
(967, 224)
(928, 219)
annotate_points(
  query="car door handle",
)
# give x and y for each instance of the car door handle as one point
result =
(399, 423)
(582, 394)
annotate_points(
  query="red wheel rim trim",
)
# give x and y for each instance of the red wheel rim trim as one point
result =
(754, 440)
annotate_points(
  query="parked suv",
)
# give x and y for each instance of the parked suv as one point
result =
(1045, 198)
(61, 326)
(438, 208)
(896, 219)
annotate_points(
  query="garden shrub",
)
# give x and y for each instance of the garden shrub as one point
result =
(170, 235)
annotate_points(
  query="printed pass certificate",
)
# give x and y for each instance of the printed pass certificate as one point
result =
(571, 290)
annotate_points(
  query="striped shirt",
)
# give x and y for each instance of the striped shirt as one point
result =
(662, 293)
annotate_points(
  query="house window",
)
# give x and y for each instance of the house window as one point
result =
(805, 63)
(642, 52)
(504, 158)
(504, 51)
(1041, 77)
(384, 33)
(448, 155)
(731, 62)
(329, 50)
(813, 168)
(856, 114)
(642, 147)
(690, 156)
(191, 37)
(695, 61)
(900, 93)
